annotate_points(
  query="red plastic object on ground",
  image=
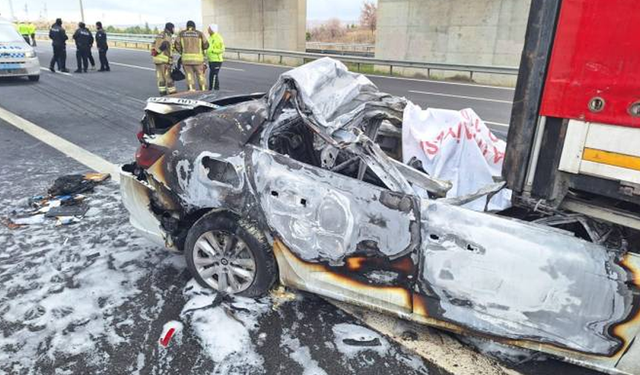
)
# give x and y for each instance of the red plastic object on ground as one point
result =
(164, 340)
(594, 73)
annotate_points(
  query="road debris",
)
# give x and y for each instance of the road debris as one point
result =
(64, 202)
(169, 330)
(77, 183)
(280, 296)
(351, 339)
(10, 224)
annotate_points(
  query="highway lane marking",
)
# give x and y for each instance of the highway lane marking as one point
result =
(132, 66)
(153, 69)
(285, 68)
(461, 97)
(72, 150)
(444, 82)
(145, 67)
(57, 72)
(496, 124)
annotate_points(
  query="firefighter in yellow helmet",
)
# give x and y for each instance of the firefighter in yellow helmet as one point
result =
(162, 52)
(192, 44)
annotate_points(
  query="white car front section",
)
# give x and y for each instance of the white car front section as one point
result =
(18, 60)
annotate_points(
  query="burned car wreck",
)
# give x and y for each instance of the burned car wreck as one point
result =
(304, 185)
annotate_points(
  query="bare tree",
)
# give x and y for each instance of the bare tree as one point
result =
(334, 28)
(369, 15)
(329, 31)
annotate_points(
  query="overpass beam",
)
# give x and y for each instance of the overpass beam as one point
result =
(264, 24)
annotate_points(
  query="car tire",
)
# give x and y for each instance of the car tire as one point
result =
(251, 244)
(35, 78)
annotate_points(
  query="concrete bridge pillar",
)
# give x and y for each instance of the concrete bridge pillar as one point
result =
(481, 32)
(264, 24)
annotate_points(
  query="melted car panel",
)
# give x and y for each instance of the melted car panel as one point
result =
(323, 215)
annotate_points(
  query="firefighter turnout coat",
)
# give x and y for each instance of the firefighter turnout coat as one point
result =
(162, 49)
(191, 44)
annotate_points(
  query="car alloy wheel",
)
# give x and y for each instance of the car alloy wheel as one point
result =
(224, 262)
(231, 255)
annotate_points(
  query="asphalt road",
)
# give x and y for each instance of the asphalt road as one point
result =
(100, 113)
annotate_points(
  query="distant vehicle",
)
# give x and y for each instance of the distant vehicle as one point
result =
(17, 58)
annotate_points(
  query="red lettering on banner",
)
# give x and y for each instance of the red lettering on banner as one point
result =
(498, 155)
(468, 133)
(451, 133)
(492, 136)
(429, 147)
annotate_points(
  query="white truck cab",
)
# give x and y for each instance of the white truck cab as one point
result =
(17, 57)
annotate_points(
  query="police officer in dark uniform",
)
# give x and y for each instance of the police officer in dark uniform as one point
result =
(59, 42)
(84, 41)
(101, 43)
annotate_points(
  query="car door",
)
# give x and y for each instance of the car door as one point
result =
(336, 235)
(533, 285)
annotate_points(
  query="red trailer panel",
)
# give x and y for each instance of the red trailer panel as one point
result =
(594, 72)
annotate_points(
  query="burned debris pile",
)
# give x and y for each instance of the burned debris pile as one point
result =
(65, 202)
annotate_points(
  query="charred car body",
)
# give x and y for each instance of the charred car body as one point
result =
(303, 184)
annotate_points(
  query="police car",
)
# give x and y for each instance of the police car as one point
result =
(17, 58)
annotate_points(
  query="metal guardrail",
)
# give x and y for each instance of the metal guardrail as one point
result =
(146, 40)
(359, 61)
(352, 49)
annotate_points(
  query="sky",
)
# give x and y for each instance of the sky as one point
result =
(128, 12)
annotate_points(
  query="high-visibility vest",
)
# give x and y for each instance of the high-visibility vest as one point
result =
(23, 29)
(216, 48)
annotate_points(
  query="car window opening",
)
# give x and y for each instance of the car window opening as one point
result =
(296, 140)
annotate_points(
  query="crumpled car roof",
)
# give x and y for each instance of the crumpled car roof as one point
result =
(332, 96)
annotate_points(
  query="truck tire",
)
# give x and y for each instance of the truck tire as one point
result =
(35, 78)
(230, 255)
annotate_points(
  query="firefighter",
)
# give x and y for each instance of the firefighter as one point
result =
(101, 43)
(191, 44)
(214, 56)
(32, 33)
(162, 52)
(59, 42)
(84, 41)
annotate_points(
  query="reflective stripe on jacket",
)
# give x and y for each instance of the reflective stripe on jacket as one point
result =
(216, 48)
(191, 44)
(163, 57)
